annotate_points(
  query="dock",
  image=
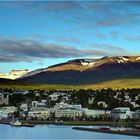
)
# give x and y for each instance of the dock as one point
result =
(125, 132)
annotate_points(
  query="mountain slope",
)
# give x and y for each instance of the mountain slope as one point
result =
(14, 74)
(88, 71)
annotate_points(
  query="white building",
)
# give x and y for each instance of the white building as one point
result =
(39, 104)
(69, 113)
(24, 107)
(3, 114)
(95, 113)
(63, 105)
(55, 96)
(41, 114)
(136, 115)
(4, 99)
(103, 104)
(6, 111)
(121, 113)
(67, 110)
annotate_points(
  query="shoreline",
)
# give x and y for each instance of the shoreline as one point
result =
(83, 123)
(86, 123)
(125, 132)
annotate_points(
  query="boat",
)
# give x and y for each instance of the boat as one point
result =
(27, 125)
(58, 122)
(15, 123)
(104, 128)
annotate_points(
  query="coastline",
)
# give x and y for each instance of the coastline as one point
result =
(125, 132)
(86, 123)
(83, 123)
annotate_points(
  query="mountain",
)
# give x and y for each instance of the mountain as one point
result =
(87, 71)
(14, 74)
(6, 81)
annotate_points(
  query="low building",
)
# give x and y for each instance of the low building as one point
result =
(136, 115)
(95, 113)
(68, 113)
(4, 99)
(39, 114)
(7, 111)
(63, 105)
(103, 104)
(24, 107)
(35, 104)
(121, 113)
(3, 114)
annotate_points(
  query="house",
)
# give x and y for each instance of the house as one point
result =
(24, 107)
(135, 105)
(4, 99)
(3, 114)
(136, 115)
(91, 100)
(55, 96)
(103, 104)
(42, 103)
(6, 111)
(121, 113)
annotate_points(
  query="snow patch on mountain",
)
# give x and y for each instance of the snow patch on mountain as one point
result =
(138, 58)
(31, 73)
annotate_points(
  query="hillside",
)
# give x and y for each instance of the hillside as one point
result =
(14, 74)
(87, 71)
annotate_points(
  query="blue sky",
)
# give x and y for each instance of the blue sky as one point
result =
(39, 34)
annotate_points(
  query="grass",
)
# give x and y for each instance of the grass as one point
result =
(115, 84)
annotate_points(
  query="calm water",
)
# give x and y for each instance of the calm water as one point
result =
(53, 132)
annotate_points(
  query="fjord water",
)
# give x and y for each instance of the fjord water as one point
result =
(53, 132)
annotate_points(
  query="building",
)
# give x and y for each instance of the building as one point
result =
(95, 113)
(103, 104)
(121, 113)
(4, 99)
(63, 105)
(68, 113)
(40, 114)
(67, 110)
(42, 103)
(7, 111)
(136, 115)
(24, 107)
(3, 114)
(55, 96)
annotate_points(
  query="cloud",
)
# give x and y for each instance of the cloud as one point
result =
(132, 37)
(94, 13)
(24, 50)
(82, 13)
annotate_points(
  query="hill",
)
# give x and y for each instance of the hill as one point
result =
(87, 71)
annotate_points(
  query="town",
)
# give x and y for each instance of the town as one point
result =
(70, 105)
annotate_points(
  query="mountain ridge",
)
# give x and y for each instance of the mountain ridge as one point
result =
(87, 71)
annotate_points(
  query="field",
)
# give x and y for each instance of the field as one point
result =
(116, 84)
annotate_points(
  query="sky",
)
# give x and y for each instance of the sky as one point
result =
(38, 34)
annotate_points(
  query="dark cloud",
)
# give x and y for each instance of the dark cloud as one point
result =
(15, 50)
(83, 13)
(66, 39)
(94, 13)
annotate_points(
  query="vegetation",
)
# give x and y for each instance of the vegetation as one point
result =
(116, 84)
